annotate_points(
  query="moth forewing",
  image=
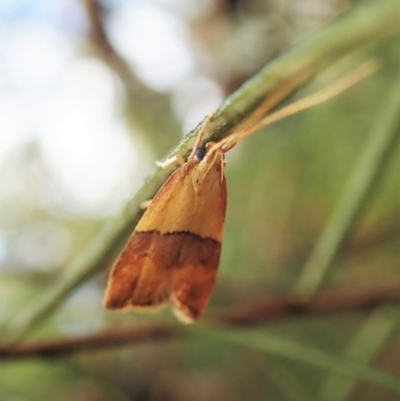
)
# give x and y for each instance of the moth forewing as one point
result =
(172, 256)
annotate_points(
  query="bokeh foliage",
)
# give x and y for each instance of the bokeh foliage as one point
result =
(284, 185)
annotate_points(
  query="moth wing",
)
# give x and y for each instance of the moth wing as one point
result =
(138, 277)
(193, 199)
(193, 280)
(194, 276)
(141, 276)
(173, 254)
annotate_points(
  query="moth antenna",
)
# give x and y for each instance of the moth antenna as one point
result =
(328, 92)
(225, 144)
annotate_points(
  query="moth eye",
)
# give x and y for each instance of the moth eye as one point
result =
(200, 153)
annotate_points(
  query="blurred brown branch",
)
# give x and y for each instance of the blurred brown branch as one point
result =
(142, 103)
(258, 312)
(100, 40)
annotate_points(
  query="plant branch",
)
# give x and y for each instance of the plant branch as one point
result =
(262, 311)
(140, 119)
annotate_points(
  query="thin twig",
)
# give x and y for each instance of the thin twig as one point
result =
(262, 311)
(100, 39)
(141, 102)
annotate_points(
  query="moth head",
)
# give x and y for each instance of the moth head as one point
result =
(208, 159)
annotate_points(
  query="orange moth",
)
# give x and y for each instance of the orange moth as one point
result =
(173, 254)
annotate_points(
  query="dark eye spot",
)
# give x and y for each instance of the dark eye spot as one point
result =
(200, 153)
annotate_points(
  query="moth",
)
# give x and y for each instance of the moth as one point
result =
(173, 254)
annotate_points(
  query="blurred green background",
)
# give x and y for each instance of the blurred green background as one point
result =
(91, 94)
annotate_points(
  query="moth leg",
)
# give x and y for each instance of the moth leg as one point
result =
(227, 143)
(171, 161)
(201, 134)
(145, 204)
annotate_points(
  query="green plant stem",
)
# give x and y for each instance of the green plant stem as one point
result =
(364, 347)
(279, 346)
(367, 169)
